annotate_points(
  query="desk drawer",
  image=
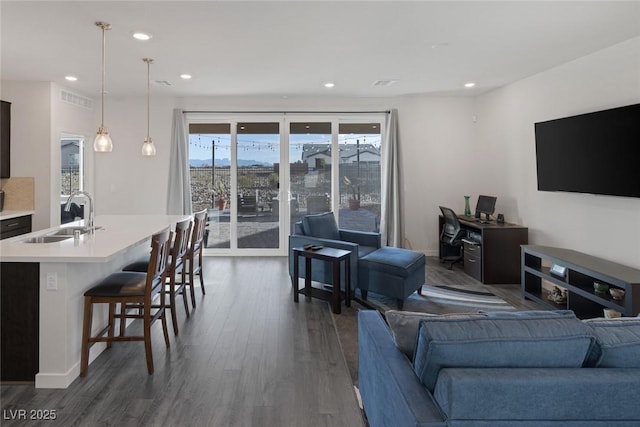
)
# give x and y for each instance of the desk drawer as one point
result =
(473, 260)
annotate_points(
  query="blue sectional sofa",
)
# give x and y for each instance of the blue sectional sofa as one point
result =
(532, 369)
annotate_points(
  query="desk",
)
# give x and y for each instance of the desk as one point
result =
(335, 257)
(492, 253)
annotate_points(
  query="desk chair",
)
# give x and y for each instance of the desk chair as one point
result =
(451, 235)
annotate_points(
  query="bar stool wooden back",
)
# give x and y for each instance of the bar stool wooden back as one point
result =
(176, 273)
(194, 253)
(135, 292)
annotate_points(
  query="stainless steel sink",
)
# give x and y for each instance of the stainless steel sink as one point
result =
(68, 231)
(46, 239)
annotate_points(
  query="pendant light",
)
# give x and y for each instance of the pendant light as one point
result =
(103, 140)
(148, 149)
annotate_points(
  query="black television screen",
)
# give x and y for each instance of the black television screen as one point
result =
(595, 153)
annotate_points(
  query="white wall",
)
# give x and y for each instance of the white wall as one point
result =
(127, 182)
(436, 158)
(604, 226)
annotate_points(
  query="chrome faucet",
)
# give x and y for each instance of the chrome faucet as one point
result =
(88, 223)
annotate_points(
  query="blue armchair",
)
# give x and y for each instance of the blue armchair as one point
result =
(321, 229)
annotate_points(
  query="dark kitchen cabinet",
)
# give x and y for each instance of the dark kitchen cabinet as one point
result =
(5, 139)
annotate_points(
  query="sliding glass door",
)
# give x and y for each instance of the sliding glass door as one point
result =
(257, 176)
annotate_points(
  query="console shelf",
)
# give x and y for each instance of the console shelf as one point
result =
(581, 271)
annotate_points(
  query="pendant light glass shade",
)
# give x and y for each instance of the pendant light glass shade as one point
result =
(148, 149)
(103, 142)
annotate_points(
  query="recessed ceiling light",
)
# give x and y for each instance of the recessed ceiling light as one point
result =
(470, 84)
(185, 76)
(439, 45)
(71, 78)
(329, 85)
(141, 36)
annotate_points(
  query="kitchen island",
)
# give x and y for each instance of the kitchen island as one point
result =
(42, 293)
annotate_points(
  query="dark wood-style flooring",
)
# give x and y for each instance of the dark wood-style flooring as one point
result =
(248, 356)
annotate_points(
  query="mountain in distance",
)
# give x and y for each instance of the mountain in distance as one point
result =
(198, 163)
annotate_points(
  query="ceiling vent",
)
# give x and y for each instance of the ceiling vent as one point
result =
(384, 82)
(75, 99)
(161, 83)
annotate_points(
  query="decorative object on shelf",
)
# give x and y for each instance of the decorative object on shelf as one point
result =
(616, 293)
(600, 288)
(558, 271)
(557, 295)
(610, 313)
(467, 207)
(103, 142)
(148, 149)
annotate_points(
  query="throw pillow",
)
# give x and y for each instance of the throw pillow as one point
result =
(404, 327)
(518, 342)
(617, 343)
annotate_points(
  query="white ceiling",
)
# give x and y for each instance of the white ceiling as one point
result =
(291, 48)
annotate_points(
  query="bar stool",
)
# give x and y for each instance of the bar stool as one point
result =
(132, 290)
(195, 249)
(175, 267)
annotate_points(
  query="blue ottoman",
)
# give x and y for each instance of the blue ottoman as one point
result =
(394, 272)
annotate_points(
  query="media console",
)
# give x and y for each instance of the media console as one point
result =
(580, 271)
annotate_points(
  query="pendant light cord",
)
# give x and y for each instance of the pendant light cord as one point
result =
(104, 74)
(148, 61)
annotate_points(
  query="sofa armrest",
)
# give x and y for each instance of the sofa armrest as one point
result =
(363, 238)
(391, 393)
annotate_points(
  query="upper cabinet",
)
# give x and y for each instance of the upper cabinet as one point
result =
(5, 139)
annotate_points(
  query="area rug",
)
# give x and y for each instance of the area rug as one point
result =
(442, 299)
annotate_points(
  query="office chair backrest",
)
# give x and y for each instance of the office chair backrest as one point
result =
(451, 229)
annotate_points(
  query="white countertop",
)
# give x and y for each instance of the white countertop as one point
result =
(118, 232)
(7, 214)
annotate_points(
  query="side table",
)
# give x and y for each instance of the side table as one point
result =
(335, 257)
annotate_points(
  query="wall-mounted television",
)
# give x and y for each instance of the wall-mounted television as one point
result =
(596, 153)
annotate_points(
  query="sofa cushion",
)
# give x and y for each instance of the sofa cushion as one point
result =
(617, 343)
(568, 397)
(554, 341)
(321, 225)
(404, 327)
